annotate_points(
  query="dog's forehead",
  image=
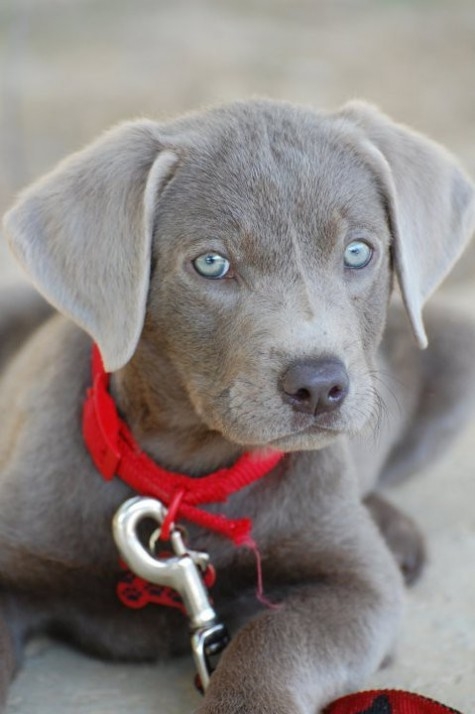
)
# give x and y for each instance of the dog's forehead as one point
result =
(266, 167)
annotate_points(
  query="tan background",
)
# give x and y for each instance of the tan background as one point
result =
(70, 68)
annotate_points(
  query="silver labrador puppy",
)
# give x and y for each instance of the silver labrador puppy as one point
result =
(235, 268)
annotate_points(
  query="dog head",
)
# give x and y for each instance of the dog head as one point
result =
(251, 248)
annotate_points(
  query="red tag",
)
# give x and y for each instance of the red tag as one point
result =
(136, 593)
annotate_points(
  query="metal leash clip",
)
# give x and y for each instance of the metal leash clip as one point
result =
(182, 572)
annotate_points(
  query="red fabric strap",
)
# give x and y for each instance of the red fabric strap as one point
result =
(115, 452)
(387, 701)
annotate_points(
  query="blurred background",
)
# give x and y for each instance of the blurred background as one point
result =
(71, 68)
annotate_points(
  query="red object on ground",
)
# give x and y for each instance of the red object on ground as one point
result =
(387, 701)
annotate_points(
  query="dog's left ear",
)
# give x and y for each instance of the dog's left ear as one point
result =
(83, 234)
(430, 200)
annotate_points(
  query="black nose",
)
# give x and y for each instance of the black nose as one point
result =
(315, 386)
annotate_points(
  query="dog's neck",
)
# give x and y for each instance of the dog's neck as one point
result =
(154, 403)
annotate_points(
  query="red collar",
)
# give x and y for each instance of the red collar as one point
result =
(115, 452)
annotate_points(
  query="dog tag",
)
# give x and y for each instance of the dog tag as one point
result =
(182, 571)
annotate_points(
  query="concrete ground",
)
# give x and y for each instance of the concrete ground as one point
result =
(70, 68)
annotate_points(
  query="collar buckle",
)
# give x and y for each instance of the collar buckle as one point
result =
(183, 571)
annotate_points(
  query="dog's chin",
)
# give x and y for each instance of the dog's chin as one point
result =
(306, 441)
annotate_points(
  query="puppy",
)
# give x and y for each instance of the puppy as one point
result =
(234, 268)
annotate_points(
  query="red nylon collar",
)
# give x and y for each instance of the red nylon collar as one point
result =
(115, 452)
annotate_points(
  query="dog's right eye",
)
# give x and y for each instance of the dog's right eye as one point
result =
(358, 254)
(212, 265)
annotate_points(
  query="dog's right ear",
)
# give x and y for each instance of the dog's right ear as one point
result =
(430, 202)
(83, 234)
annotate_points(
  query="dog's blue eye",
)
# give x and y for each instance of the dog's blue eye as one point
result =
(358, 254)
(211, 265)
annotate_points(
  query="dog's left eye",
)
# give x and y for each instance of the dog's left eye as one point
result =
(212, 265)
(357, 254)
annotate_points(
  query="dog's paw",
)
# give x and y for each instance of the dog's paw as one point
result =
(244, 708)
(402, 536)
(265, 701)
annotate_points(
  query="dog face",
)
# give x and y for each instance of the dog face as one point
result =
(248, 248)
(271, 280)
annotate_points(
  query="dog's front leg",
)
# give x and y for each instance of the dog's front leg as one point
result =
(322, 641)
(298, 659)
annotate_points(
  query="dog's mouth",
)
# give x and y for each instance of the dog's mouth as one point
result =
(319, 433)
(301, 433)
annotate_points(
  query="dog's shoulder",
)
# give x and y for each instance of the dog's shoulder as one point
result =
(41, 390)
(22, 311)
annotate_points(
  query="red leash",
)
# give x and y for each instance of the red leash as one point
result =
(387, 701)
(116, 453)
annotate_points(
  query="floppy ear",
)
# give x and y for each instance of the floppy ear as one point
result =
(83, 234)
(431, 204)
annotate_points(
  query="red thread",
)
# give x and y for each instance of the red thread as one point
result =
(260, 581)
